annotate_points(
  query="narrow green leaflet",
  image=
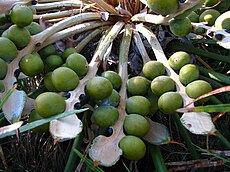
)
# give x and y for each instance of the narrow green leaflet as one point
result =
(158, 133)
(37, 123)
(207, 108)
(88, 161)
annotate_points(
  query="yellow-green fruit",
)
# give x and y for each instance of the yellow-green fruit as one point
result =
(198, 88)
(47, 51)
(180, 27)
(21, 15)
(152, 69)
(34, 28)
(48, 104)
(136, 125)
(179, 59)
(33, 9)
(188, 73)
(153, 99)
(77, 63)
(3, 69)
(169, 102)
(19, 35)
(64, 79)
(48, 82)
(34, 116)
(105, 116)
(209, 16)
(67, 52)
(163, 7)
(31, 65)
(8, 50)
(209, 3)
(113, 77)
(133, 148)
(52, 62)
(162, 84)
(223, 21)
(138, 105)
(99, 88)
(137, 85)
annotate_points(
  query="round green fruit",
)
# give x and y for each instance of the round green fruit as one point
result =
(163, 7)
(64, 79)
(34, 116)
(223, 21)
(77, 63)
(48, 104)
(67, 52)
(179, 59)
(113, 77)
(152, 69)
(105, 116)
(188, 73)
(209, 16)
(3, 69)
(99, 88)
(137, 85)
(162, 84)
(136, 125)
(47, 51)
(133, 147)
(52, 62)
(21, 15)
(138, 105)
(8, 50)
(31, 65)
(34, 28)
(180, 27)
(20, 36)
(197, 88)
(112, 100)
(169, 102)
(48, 82)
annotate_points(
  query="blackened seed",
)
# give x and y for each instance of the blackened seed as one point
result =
(68, 95)
(82, 96)
(210, 33)
(17, 73)
(110, 131)
(219, 37)
(228, 31)
(77, 105)
(34, 2)
(38, 44)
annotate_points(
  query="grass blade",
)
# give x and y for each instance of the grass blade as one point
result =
(207, 108)
(6, 96)
(88, 161)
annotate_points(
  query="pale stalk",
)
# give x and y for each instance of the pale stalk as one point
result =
(69, 127)
(105, 150)
(107, 7)
(55, 15)
(140, 45)
(73, 30)
(57, 5)
(88, 38)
